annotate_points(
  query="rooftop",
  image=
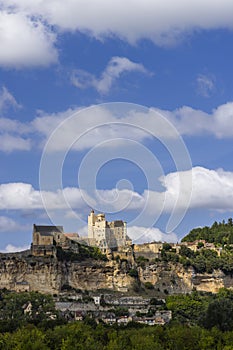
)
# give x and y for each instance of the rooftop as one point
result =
(47, 229)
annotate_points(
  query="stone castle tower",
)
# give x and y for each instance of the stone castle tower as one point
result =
(107, 234)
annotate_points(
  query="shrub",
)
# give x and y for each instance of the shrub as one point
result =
(149, 285)
(133, 273)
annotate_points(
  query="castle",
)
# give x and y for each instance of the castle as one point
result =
(101, 233)
(107, 235)
(46, 238)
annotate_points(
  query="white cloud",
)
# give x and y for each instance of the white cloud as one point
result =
(14, 126)
(163, 22)
(81, 129)
(7, 100)
(10, 248)
(189, 121)
(13, 136)
(25, 41)
(8, 225)
(144, 234)
(27, 38)
(87, 129)
(9, 143)
(11, 130)
(211, 190)
(115, 68)
(23, 196)
(92, 126)
(205, 85)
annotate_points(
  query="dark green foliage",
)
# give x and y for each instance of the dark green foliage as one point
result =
(84, 252)
(200, 245)
(219, 314)
(133, 273)
(207, 260)
(156, 302)
(120, 311)
(167, 246)
(188, 308)
(148, 285)
(203, 309)
(185, 251)
(141, 261)
(218, 233)
(200, 321)
(81, 336)
(13, 314)
(169, 256)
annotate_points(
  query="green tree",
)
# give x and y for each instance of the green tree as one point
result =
(219, 314)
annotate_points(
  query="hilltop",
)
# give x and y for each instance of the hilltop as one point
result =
(220, 233)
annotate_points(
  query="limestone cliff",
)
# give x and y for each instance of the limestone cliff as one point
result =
(48, 275)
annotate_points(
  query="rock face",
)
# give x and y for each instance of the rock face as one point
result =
(48, 275)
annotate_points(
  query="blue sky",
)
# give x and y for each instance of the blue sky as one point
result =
(59, 58)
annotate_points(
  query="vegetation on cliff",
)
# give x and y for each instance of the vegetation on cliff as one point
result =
(203, 260)
(81, 253)
(219, 233)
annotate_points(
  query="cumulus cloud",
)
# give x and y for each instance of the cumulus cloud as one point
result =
(83, 129)
(115, 68)
(14, 126)
(10, 248)
(12, 136)
(205, 85)
(92, 126)
(140, 234)
(211, 189)
(163, 22)
(23, 196)
(80, 129)
(27, 38)
(9, 143)
(190, 121)
(25, 41)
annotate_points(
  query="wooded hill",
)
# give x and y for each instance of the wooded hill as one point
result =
(219, 233)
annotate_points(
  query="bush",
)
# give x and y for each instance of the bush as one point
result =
(149, 285)
(167, 246)
(133, 273)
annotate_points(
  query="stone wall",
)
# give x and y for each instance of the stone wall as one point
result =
(147, 250)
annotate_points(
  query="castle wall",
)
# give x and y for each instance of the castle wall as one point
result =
(106, 234)
(148, 250)
(39, 239)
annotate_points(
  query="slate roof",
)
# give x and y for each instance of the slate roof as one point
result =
(47, 230)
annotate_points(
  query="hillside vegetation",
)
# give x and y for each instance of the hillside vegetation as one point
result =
(200, 321)
(219, 233)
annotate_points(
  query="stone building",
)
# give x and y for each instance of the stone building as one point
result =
(107, 235)
(22, 286)
(45, 239)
